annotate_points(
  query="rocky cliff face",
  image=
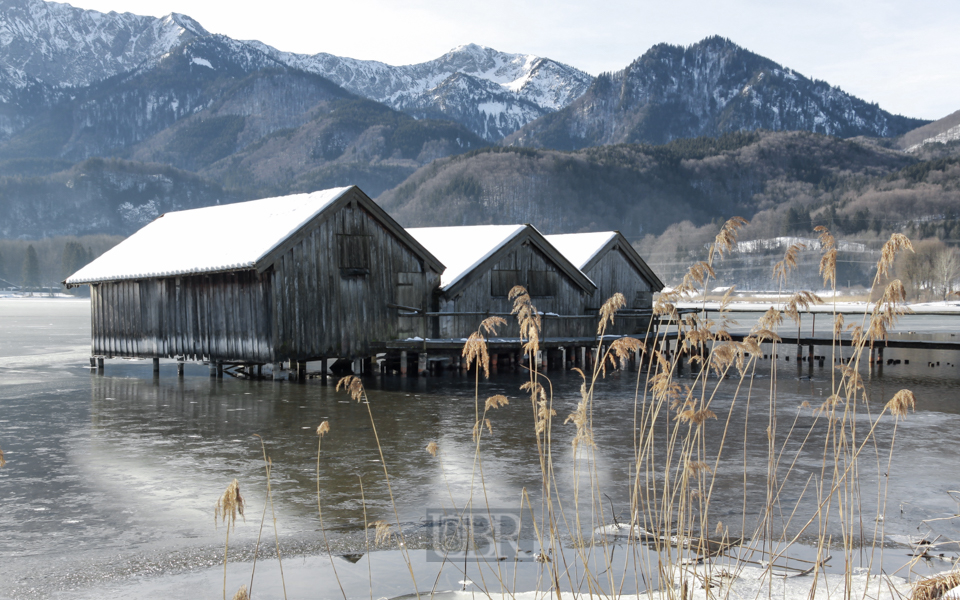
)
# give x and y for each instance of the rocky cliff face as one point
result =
(709, 88)
(62, 45)
(493, 93)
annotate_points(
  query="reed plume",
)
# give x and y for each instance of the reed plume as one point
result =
(726, 240)
(242, 593)
(228, 506)
(902, 402)
(608, 310)
(789, 262)
(475, 352)
(384, 532)
(352, 385)
(888, 255)
(828, 263)
(495, 402)
(432, 448)
(529, 320)
(2, 462)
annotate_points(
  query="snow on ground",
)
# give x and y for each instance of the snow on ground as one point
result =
(712, 581)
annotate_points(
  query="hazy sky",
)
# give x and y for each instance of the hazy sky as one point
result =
(905, 55)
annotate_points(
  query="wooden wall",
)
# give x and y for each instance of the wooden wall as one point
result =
(333, 287)
(325, 296)
(529, 266)
(221, 316)
(612, 274)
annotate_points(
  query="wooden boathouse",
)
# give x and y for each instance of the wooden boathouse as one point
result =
(295, 278)
(613, 265)
(484, 262)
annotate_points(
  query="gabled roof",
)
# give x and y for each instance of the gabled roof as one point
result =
(230, 237)
(586, 249)
(471, 250)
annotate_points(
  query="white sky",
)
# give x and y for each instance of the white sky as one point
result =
(903, 55)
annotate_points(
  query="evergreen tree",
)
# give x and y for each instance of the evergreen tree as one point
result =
(73, 259)
(30, 278)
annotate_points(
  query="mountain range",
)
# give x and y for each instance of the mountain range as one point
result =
(109, 119)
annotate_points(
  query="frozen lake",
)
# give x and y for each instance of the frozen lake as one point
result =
(111, 480)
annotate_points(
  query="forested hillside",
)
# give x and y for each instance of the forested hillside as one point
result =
(641, 189)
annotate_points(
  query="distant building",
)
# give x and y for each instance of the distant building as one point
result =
(613, 265)
(296, 278)
(485, 262)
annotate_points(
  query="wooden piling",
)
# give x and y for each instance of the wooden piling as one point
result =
(422, 364)
(180, 368)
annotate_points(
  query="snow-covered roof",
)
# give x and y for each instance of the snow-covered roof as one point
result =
(462, 249)
(203, 240)
(580, 248)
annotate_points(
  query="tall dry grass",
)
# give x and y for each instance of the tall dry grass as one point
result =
(682, 441)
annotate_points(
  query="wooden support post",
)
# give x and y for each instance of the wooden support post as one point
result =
(219, 369)
(323, 370)
(563, 358)
(100, 364)
(301, 370)
(213, 368)
(494, 359)
(423, 364)
(403, 363)
(179, 368)
(581, 358)
(259, 370)
(156, 366)
(93, 362)
(276, 371)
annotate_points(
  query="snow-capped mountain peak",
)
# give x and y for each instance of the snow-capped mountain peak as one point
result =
(528, 86)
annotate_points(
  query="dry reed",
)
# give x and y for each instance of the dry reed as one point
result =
(229, 505)
(932, 588)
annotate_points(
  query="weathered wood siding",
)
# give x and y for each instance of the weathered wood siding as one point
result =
(527, 266)
(221, 316)
(613, 273)
(325, 296)
(333, 287)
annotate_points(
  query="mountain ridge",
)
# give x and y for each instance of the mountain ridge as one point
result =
(709, 88)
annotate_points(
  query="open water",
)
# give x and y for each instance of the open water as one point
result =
(111, 480)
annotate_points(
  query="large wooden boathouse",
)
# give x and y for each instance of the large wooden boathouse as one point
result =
(295, 278)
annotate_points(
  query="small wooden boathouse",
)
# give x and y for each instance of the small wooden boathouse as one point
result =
(613, 265)
(295, 278)
(484, 262)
